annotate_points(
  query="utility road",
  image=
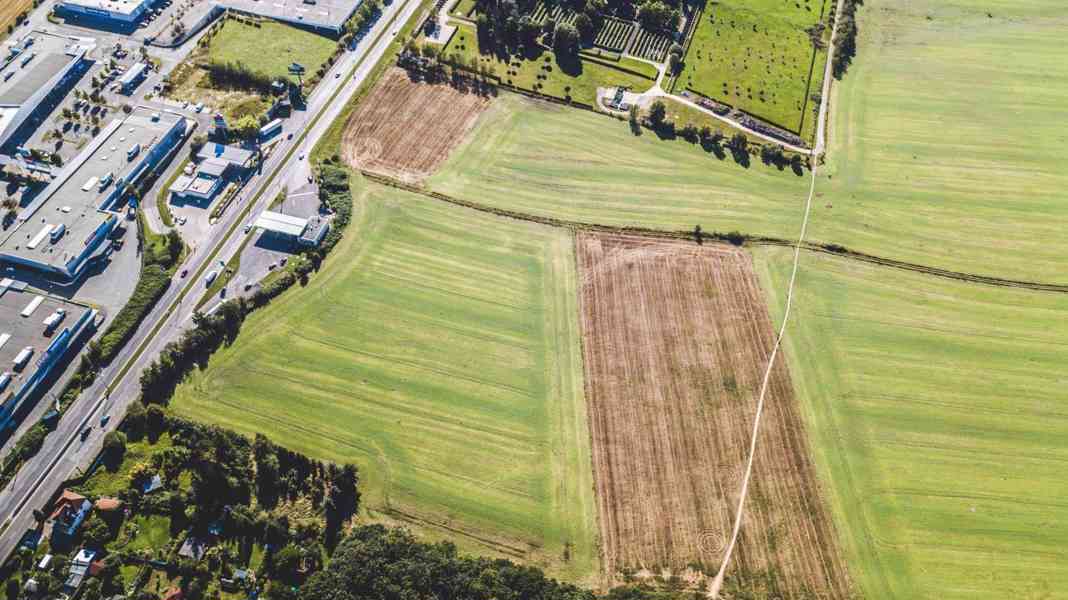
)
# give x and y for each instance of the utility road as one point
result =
(65, 454)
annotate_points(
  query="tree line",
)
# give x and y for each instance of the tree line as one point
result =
(846, 40)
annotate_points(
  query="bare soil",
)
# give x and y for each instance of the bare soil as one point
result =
(675, 339)
(406, 129)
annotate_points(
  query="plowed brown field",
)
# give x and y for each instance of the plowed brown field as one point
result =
(676, 337)
(405, 128)
(9, 9)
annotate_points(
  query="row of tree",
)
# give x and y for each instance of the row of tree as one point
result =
(846, 40)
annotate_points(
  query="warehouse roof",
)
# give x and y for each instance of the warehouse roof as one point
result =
(280, 223)
(32, 60)
(321, 13)
(230, 154)
(74, 198)
(125, 7)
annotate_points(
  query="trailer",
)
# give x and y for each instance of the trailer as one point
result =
(23, 358)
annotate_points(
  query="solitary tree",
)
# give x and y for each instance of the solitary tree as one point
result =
(114, 449)
(657, 114)
(566, 40)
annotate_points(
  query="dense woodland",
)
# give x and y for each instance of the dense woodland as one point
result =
(374, 562)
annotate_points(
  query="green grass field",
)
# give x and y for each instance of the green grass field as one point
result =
(756, 56)
(938, 416)
(269, 47)
(948, 144)
(554, 161)
(439, 349)
(532, 74)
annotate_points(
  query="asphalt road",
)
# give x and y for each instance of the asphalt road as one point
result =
(65, 453)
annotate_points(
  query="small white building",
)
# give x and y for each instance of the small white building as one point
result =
(307, 232)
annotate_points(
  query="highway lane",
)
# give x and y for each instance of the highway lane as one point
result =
(65, 453)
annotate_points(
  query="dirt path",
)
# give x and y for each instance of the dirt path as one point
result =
(717, 582)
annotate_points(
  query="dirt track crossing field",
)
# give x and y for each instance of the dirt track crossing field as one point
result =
(407, 129)
(676, 337)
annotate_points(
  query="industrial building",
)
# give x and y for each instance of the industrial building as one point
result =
(216, 165)
(34, 67)
(116, 12)
(304, 231)
(36, 332)
(328, 16)
(201, 185)
(132, 78)
(238, 158)
(68, 223)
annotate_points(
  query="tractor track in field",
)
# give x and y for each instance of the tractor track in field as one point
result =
(754, 240)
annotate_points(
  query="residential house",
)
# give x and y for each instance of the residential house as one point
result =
(70, 511)
(79, 568)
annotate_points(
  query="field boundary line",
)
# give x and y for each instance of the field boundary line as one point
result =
(755, 240)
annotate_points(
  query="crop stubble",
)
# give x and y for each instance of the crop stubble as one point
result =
(405, 128)
(676, 337)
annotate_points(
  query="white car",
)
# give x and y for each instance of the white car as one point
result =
(199, 107)
(248, 227)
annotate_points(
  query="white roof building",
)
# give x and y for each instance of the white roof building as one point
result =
(280, 223)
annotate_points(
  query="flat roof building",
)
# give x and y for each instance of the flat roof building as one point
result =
(203, 184)
(238, 157)
(68, 222)
(32, 68)
(125, 12)
(36, 332)
(306, 231)
(329, 15)
(129, 80)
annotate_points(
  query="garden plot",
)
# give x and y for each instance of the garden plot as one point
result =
(651, 46)
(614, 34)
(556, 13)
